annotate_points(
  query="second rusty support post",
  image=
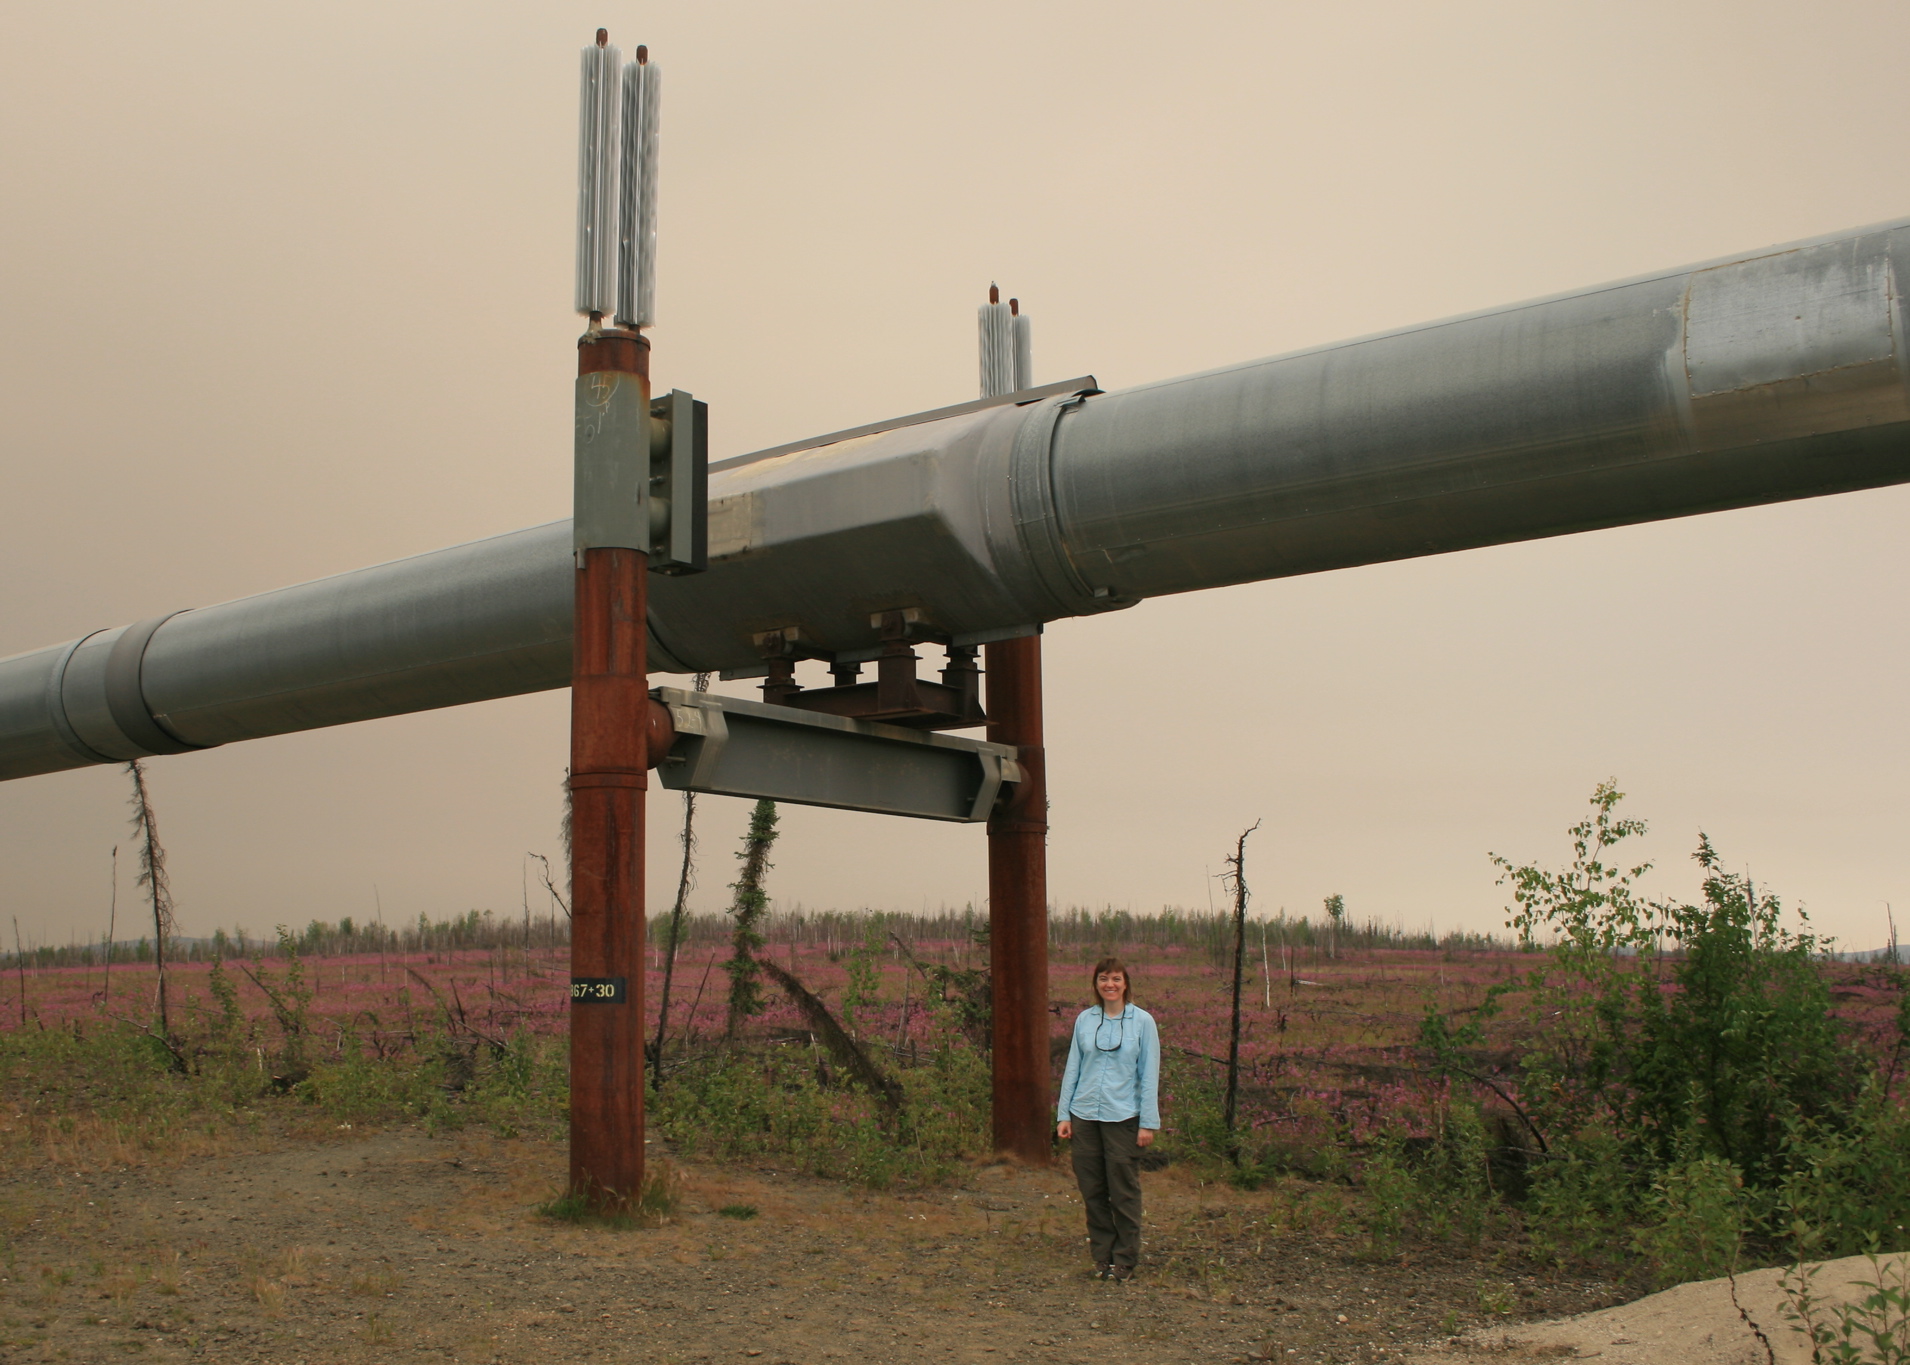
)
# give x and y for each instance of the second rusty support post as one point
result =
(609, 707)
(1018, 908)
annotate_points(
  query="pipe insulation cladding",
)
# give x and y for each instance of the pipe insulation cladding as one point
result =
(1771, 376)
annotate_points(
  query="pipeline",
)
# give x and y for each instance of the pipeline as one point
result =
(1761, 378)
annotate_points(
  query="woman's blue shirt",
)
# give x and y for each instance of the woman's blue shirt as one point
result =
(1114, 1069)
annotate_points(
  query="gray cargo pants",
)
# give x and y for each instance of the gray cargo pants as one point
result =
(1107, 1167)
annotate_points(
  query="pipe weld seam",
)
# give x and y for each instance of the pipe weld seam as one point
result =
(1017, 827)
(613, 777)
(56, 706)
(126, 694)
(1034, 514)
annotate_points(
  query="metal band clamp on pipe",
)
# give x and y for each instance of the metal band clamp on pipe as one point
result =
(125, 697)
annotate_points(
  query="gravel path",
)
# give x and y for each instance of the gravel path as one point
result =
(402, 1246)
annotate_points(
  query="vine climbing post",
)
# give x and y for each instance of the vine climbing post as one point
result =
(686, 877)
(747, 911)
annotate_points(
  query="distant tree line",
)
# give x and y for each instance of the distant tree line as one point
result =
(1072, 931)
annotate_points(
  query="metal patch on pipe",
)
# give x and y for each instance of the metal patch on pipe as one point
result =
(736, 525)
(611, 497)
(1793, 344)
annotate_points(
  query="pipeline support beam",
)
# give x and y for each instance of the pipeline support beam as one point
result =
(1018, 907)
(609, 728)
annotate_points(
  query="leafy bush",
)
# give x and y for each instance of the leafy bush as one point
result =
(1583, 1200)
(1684, 1069)
(1875, 1330)
(1698, 1216)
(1742, 1049)
(1846, 1186)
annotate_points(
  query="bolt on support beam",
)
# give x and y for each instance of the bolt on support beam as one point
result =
(609, 711)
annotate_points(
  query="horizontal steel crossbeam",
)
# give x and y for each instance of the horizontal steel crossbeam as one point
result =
(731, 747)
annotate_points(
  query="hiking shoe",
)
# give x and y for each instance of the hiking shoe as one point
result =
(1121, 1272)
(1103, 1271)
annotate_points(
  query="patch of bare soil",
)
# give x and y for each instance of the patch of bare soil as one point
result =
(401, 1246)
(1713, 1322)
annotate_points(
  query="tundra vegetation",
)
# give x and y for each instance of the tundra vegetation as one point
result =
(1642, 1090)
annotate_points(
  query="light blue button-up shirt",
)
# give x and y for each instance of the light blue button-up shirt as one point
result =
(1114, 1069)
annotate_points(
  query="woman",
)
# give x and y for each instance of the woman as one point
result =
(1110, 1107)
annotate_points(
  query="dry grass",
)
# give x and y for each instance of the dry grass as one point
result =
(168, 1271)
(275, 1276)
(87, 1144)
(270, 1295)
(122, 1284)
(377, 1284)
(53, 1281)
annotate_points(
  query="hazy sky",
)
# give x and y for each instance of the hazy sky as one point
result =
(285, 290)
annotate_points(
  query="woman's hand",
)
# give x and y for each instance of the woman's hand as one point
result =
(1064, 1130)
(1144, 1137)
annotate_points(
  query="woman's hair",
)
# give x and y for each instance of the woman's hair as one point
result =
(1110, 964)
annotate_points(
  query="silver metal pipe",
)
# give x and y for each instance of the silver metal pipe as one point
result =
(1758, 379)
(1771, 376)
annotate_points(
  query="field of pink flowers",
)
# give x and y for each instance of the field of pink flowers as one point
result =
(1328, 1041)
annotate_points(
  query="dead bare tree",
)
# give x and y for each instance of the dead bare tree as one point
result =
(1237, 875)
(686, 879)
(1266, 967)
(152, 876)
(558, 898)
(112, 925)
(833, 1036)
(20, 960)
(689, 1024)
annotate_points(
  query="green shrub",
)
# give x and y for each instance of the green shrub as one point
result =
(1698, 1217)
(1874, 1330)
(1743, 1047)
(1846, 1188)
(1390, 1190)
(1431, 1190)
(782, 1103)
(1583, 1200)
(1687, 1071)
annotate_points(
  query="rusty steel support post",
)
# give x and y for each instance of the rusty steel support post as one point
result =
(609, 706)
(1018, 908)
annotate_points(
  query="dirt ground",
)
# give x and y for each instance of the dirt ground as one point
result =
(402, 1246)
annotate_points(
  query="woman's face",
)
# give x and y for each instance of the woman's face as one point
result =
(1111, 986)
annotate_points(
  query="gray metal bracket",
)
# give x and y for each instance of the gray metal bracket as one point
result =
(731, 747)
(642, 474)
(679, 484)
